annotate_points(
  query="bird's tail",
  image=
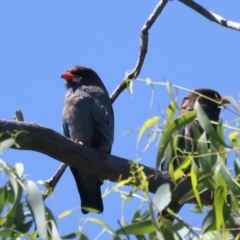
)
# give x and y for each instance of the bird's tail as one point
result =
(89, 188)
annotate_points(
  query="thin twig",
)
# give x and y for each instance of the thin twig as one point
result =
(52, 182)
(143, 49)
(211, 16)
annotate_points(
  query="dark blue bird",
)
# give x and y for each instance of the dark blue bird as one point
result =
(186, 133)
(88, 119)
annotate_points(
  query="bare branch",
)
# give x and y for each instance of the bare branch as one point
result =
(44, 140)
(143, 48)
(210, 15)
(52, 182)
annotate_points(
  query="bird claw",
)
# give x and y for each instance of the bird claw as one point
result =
(183, 175)
(79, 142)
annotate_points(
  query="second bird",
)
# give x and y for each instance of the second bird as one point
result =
(186, 134)
(88, 119)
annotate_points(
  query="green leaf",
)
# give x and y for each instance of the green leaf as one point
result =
(170, 90)
(15, 191)
(150, 122)
(195, 183)
(236, 167)
(233, 102)
(6, 144)
(3, 198)
(136, 216)
(153, 217)
(214, 153)
(36, 205)
(145, 215)
(165, 233)
(181, 229)
(204, 159)
(221, 149)
(150, 140)
(234, 201)
(181, 168)
(234, 138)
(50, 216)
(102, 223)
(6, 233)
(65, 213)
(206, 124)
(129, 84)
(139, 228)
(162, 197)
(171, 110)
(171, 128)
(19, 169)
(209, 221)
(74, 235)
(24, 227)
(190, 195)
(218, 205)
(54, 232)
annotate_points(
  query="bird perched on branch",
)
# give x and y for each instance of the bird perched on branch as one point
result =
(186, 133)
(88, 119)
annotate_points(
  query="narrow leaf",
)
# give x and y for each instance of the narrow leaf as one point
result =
(162, 197)
(171, 128)
(233, 102)
(195, 183)
(138, 228)
(36, 205)
(206, 124)
(149, 123)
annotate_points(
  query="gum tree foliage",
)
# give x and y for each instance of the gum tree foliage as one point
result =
(24, 214)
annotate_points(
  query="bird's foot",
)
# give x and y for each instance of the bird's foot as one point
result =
(79, 142)
(183, 175)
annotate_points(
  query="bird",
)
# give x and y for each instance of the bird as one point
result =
(186, 133)
(88, 119)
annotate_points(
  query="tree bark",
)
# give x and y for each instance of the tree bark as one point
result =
(44, 140)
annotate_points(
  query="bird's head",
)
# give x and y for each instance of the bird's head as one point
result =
(208, 96)
(210, 100)
(81, 76)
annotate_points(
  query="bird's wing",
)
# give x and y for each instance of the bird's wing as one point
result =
(65, 129)
(104, 122)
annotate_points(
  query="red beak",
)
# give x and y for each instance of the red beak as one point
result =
(224, 101)
(67, 76)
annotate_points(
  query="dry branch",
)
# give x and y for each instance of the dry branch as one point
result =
(44, 140)
(210, 15)
(143, 48)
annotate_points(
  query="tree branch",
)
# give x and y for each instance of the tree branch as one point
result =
(143, 49)
(44, 140)
(210, 15)
(52, 182)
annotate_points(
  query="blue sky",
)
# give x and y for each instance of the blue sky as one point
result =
(40, 40)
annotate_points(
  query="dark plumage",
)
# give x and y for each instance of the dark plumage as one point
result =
(88, 118)
(212, 110)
